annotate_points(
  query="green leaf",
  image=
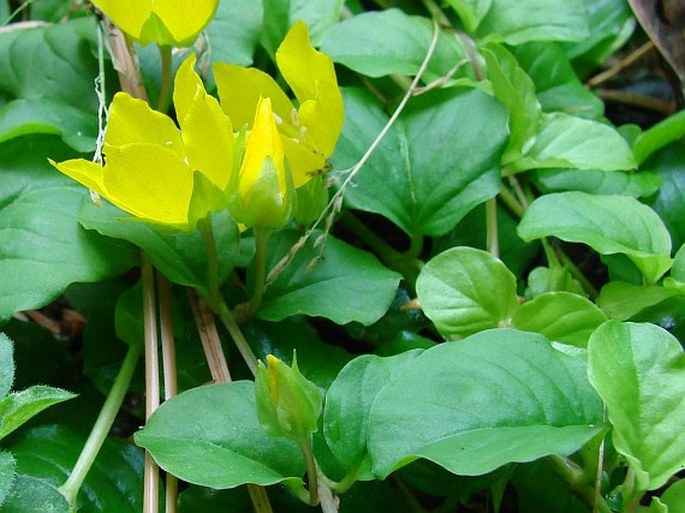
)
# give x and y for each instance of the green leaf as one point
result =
(608, 224)
(519, 21)
(77, 127)
(678, 269)
(674, 496)
(234, 32)
(663, 133)
(471, 406)
(348, 403)
(515, 89)
(439, 160)
(37, 63)
(560, 316)
(6, 365)
(39, 231)
(211, 436)
(114, 482)
(18, 407)
(669, 202)
(181, 256)
(32, 495)
(622, 301)
(540, 488)
(342, 283)
(7, 474)
(556, 83)
(380, 43)
(471, 12)
(568, 141)
(466, 290)
(639, 371)
(611, 22)
(595, 181)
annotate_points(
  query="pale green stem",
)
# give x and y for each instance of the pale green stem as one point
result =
(259, 277)
(492, 231)
(631, 499)
(164, 100)
(150, 470)
(231, 325)
(312, 471)
(101, 427)
(511, 202)
(574, 476)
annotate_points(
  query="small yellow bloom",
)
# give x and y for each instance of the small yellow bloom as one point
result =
(263, 193)
(165, 22)
(149, 162)
(309, 133)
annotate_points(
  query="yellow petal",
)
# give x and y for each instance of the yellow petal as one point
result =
(149, 182)
(262, 142)
(183, 19)
(303, 160)
(128, 16)
(84, 172)
(240, 89)
(132, 121)
(206, 131)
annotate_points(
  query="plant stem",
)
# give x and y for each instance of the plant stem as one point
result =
(101, 427)
(511, 202)
(577, 274)
(631, 500)
(492, 243)
(231, 325)
(151, 471)
(312, 471)
(169, 367)
(164, 100)
(261, 238)
(574, 476)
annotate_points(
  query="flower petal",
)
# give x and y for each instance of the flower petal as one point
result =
(149, 182)
(132, 121)
(240, 89)
(183, 19)
(206, 131)
(129, 17)
(302, 159)
(84, 172)
(262, 142)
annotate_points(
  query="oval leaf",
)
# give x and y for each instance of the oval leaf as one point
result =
(639, 371)
(466, 290)
(608, 224)
(31, 495)
(560, 316)
(221, 444)
(18, 407)
(472, 406)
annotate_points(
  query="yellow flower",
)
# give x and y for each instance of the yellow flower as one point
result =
(165, 22)
(150, 163)
(309, 133)
(262, 193)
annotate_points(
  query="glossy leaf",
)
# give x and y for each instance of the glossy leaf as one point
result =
(77, 127)
(474, 405)
(560, 316)
(114, 482)
(639, 371)
(667, 131)
(440, 159)
(519, 21)
(622, 301)
(674, 496)
(471, 12)
(540, 488)
(342, 284)
(379, 43)
(669, 202)
(40, 233)
(465, 290)
(18, 407)
(32, 495)
(223, 434)
(7, 474)
(181, 256)
(348, 403)
(608, 224)
(234, 32)
(567, 141)
(595, 181)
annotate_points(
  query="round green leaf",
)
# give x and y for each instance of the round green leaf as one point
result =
(339, 282)
(43, 247)
(608, 224)
(32, 495)
(465, 290)
(639, 371)
(211, 436)
(560, 316)
(471, 406)
(439, 161)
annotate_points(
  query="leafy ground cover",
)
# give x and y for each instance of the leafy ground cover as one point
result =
(342, 256)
